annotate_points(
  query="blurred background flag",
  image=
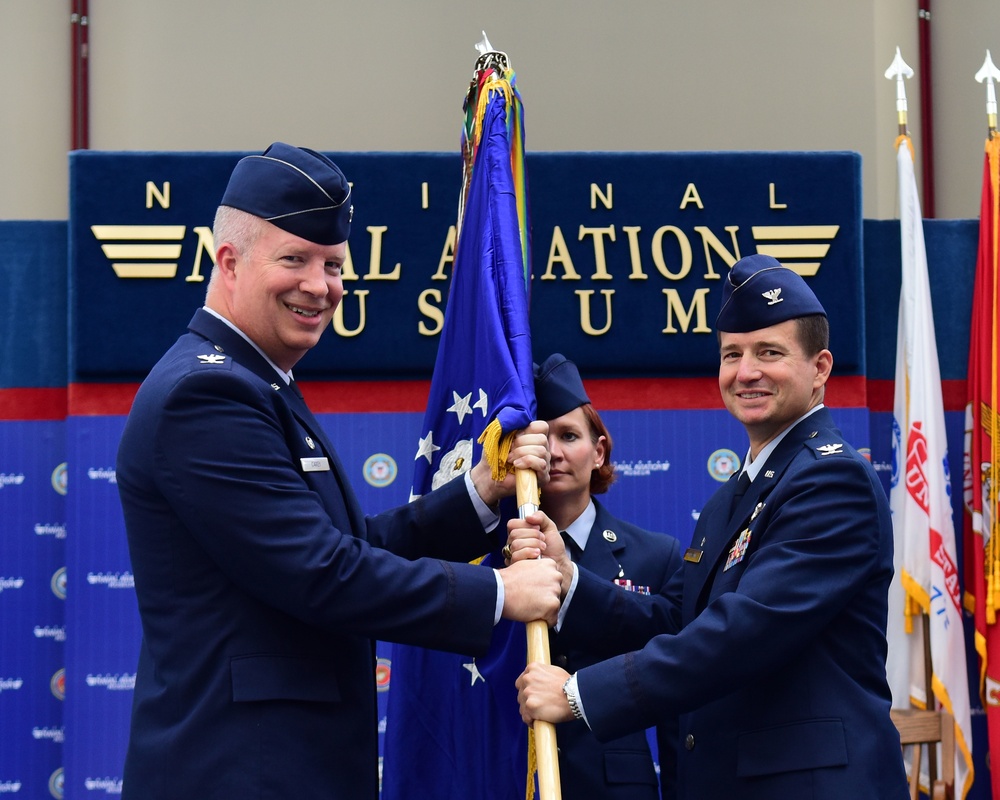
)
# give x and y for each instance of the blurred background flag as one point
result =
(920, 499)
(453, 730)
(982, 446)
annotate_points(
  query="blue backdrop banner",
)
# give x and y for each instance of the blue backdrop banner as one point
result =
(629, 251)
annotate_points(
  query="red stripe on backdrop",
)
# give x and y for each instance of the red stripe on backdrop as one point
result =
(101, 399)
(329, 397)
(33, 404)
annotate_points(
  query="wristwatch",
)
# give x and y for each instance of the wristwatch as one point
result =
(569, 689)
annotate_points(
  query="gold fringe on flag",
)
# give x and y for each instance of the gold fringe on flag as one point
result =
(903, 137)
(496, 449)
(992, 556)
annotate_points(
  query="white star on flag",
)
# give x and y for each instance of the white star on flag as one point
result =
(427, 447)
(461, 406)
(476, 674)
(483, 403)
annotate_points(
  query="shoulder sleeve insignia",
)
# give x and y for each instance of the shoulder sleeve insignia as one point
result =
(211, 358)
(830, 449)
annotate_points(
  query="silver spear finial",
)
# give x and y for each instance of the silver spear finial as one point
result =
(898, 70)
(988, 73)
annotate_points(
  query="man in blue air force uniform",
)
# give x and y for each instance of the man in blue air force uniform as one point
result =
(616, 551)
(260, 583)
(777, 659)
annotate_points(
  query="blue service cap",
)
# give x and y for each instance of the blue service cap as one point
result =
(760, 292)
(296, 189)
(558, 388)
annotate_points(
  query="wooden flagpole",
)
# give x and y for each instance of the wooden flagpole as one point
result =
(546, 752)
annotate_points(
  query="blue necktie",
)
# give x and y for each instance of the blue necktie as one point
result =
(571, 546)
(742, 484)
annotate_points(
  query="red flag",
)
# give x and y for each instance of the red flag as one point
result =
(982, 455)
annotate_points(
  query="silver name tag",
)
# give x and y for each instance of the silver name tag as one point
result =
(316, 464)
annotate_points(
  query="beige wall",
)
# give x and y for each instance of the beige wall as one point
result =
(389, 75)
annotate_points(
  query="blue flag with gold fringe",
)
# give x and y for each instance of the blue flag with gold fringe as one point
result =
(452, 726)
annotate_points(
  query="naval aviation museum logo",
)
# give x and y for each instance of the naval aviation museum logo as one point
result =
(55, 632)
(57, 529)
(56, 735)
(106, 785)
(102, 474)
(121, 682)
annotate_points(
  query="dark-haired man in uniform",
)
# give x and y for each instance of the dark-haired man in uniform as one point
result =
(770, 642)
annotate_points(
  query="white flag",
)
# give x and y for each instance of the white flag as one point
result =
(920, 499)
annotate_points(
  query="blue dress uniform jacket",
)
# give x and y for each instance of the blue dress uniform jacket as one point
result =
(261, 585)
(621, 768)
(778, 663)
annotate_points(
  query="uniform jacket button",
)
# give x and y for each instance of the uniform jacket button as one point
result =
(689, 742)
(561, 661)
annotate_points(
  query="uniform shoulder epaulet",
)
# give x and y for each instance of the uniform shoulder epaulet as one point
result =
(213, 356)
(827, 446)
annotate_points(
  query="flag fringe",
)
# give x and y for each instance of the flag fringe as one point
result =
(903, 137)
(496, 449)
(992, 556)
(964, 747)
(916, 601)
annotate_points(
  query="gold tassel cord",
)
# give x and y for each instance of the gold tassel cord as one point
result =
(496, 449)
(493, 84)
